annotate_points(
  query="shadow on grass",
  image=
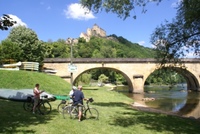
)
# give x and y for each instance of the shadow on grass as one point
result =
(156, 122)
(14, 119)
(128, 117)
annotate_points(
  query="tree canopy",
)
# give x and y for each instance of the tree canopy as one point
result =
(176, 39)
(29, 48)
(122, 8)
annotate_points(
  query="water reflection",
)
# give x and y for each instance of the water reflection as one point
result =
(176, 99)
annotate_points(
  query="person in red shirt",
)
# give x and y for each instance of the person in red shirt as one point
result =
(36, 93)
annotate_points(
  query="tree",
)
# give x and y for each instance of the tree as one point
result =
(26, 39)
(103, 78)
(108, 52)
(60, 49)
(9, 50)
(180, 37)
(6, 22)
(122, 8)
(85, 78)
(97, 54)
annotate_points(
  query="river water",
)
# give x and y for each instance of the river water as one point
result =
(176, 99)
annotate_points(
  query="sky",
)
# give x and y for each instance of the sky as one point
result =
(62, 19)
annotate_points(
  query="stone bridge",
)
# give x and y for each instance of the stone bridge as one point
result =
(134, 70)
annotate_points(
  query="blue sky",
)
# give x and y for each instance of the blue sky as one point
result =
(61, 19)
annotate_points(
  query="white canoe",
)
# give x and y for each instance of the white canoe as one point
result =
(20, 95)
(13, 65)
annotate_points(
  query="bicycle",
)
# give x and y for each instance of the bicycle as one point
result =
(43, 107)
(88, 112)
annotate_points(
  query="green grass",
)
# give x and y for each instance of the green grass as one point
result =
(28, 79)
(116, 114)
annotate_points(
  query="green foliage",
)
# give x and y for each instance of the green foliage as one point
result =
(81, 40)
(105, 48)
(9, 50)
(83, 50)
(165, 76)
(127, 49)
(31, 49)
(103, 78)
(85, 78)
(123, 8)
(59, 49)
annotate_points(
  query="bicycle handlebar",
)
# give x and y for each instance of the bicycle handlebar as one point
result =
(90, 100)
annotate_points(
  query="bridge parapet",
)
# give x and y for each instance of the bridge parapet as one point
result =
(113, 60)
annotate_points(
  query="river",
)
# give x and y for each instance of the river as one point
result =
(177, 99)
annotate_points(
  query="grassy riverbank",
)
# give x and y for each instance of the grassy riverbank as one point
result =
(116, 113)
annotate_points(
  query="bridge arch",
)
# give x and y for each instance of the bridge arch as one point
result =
(191, 80)
(114, 69)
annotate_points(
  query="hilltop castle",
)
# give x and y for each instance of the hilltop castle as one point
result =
(94, 31)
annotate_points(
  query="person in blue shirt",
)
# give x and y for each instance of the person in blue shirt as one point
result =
(78, 98)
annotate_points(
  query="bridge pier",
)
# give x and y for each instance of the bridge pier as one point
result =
(138, 84)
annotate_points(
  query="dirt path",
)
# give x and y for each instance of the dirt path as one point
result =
(142, 107)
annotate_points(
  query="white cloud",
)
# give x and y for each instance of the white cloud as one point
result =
(76, 11)
(141, 43)
(153, 46)
(176, 4)
(189, 54)
(18, 20)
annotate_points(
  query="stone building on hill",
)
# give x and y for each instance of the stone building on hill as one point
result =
(94, 31)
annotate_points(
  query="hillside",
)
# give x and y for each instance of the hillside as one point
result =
(111, 47)
(28, 79)
(140, 51)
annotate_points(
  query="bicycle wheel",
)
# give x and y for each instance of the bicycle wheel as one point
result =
(66, 111)
(92, 113)
(74, 112)
(28, 106)
(62, 104)
(44, 107)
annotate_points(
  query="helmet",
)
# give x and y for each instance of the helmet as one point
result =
(74, 88)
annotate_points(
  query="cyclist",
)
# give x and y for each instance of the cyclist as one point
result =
(78, 98)
(36, 93)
